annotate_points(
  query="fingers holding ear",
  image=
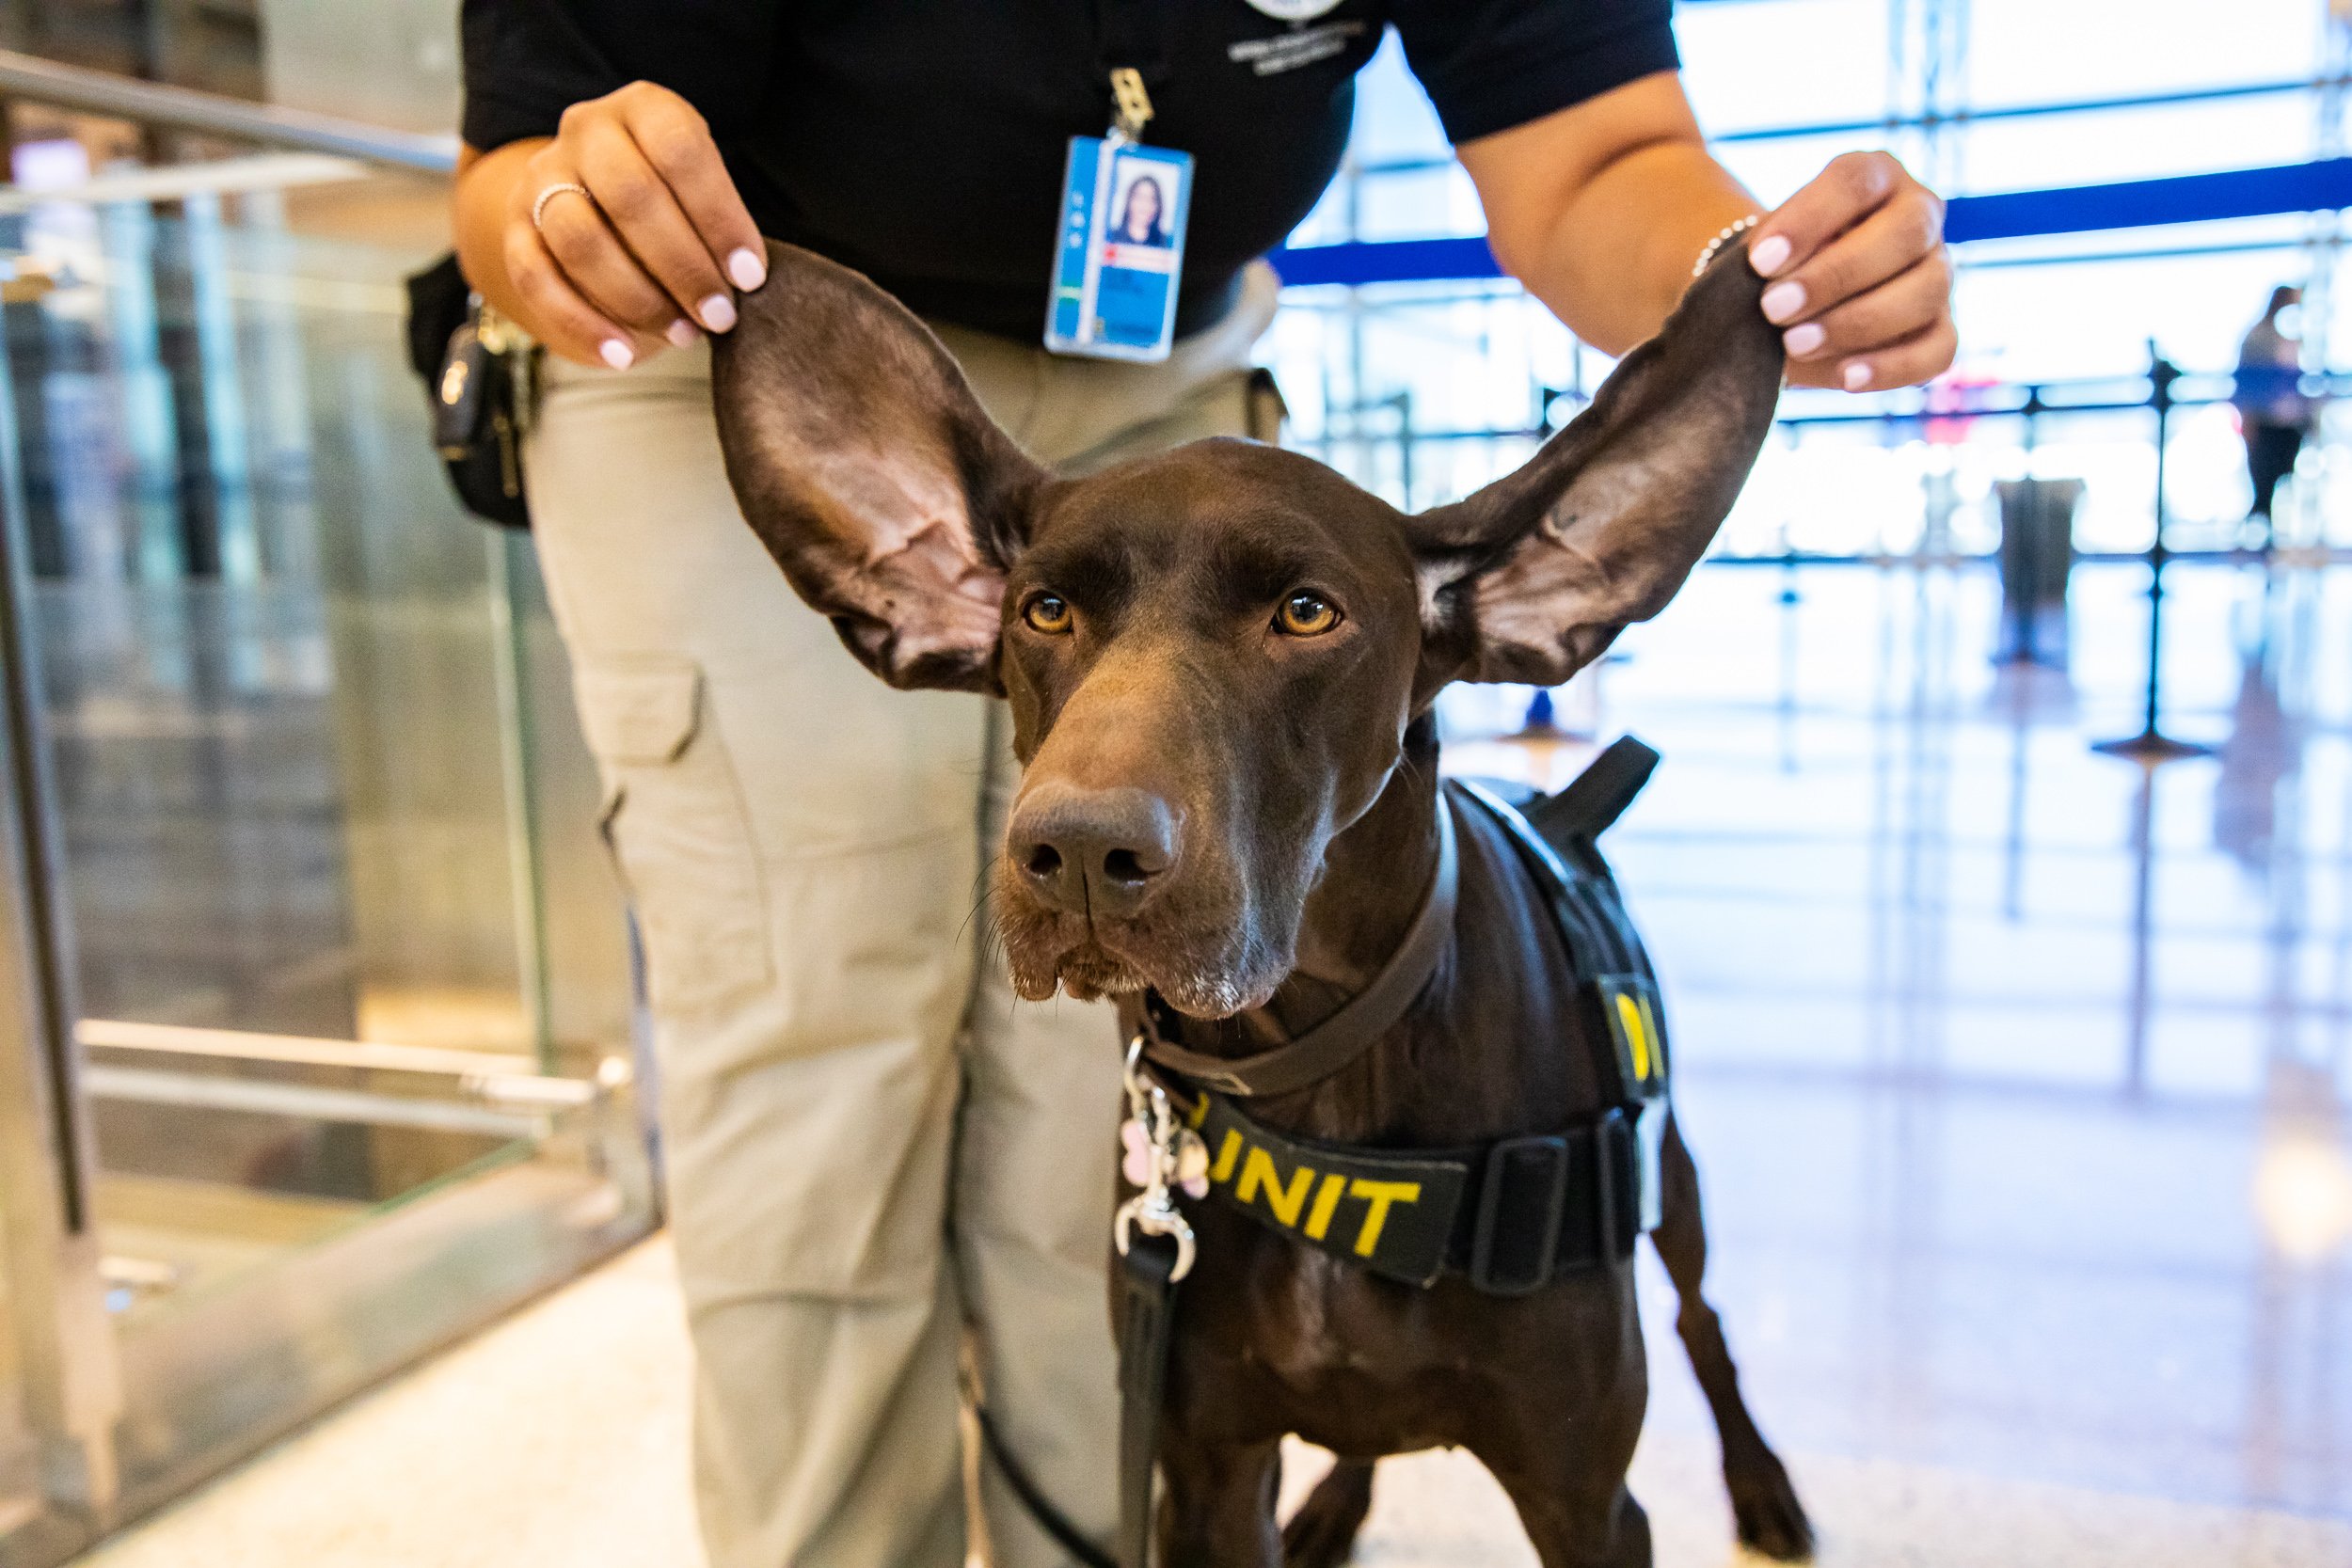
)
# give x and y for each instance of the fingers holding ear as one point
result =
(1852, 186)
(1908, 363)
(1858, 271)
(1822, 350)
(561, 316)
(676, 142)
(632, 198)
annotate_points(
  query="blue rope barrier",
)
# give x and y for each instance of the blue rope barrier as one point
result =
(2325, 185)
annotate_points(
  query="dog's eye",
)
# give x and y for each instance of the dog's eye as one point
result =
(1049, 613)
(1306, 614)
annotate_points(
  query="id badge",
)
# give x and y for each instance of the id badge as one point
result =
(1123, 210)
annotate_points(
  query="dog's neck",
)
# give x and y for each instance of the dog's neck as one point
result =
(1376, 874)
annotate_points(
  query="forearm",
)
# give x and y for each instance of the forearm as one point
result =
(1601, 208)
(479, 205)
(1617, 257)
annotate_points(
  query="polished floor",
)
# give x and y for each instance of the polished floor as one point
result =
(558, 1440)
(2016, 1074)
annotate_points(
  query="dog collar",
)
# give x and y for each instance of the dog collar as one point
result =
(1348, 1032)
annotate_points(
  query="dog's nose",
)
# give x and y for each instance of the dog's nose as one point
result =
(1094, 851)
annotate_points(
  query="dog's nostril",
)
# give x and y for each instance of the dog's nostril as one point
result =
(1121, 867)
(1044, 860)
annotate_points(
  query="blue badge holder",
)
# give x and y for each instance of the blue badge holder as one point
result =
(1120, 251)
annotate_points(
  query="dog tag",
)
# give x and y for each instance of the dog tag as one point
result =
(1192, 1162)
(1121, 249)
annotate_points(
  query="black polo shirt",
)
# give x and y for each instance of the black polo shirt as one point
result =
(922, 141)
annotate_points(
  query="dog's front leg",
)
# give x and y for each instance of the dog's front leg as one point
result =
(1560, 1446)
(1217, 1509)
(1568, 1533)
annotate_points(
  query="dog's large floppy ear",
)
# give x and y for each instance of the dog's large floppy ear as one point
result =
(1530, 578)
(862, 459)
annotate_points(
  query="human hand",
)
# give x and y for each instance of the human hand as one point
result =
(1862, 282)
(646, 255)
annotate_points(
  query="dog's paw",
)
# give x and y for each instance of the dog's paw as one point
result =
(1764, 1503)
(1323, 1532)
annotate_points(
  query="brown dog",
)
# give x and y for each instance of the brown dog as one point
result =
(1220, 663)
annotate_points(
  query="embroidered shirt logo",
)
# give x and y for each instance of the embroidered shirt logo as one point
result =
(1301, 46)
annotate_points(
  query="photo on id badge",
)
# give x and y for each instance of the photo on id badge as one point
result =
(1122, 250)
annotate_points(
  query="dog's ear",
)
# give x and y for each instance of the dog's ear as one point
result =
(865, 465)
(1530, 578)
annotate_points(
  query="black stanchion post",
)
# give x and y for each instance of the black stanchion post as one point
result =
(2025, 603)
(2152, 745)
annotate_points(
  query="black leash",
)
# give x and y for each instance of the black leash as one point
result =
(1146, 1297)
(1033, 1501)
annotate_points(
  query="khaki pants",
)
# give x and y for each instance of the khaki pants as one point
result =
(870, 1141)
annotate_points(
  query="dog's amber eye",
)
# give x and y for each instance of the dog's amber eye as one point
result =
(1306, 614)
(1049, 613)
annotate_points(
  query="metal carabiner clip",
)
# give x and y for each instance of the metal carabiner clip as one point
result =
(1153, 1210)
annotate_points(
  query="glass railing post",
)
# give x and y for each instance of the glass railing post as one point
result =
(149, 432)
(71, 1386)
(277, 397)
(220, 393)
(525, 872)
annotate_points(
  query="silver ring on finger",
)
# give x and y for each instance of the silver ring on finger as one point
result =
(538, 208)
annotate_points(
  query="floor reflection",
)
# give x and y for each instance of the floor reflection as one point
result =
(2017, 1071)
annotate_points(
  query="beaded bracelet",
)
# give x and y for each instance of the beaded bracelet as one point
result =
(1730, 232)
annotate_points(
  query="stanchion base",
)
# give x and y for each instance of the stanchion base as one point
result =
(2152, 746)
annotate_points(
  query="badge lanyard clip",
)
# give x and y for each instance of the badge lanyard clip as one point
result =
(1134, 105)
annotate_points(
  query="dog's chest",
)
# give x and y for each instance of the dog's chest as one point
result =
(1288, 1341)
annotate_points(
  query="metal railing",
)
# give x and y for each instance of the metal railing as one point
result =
(99, 92)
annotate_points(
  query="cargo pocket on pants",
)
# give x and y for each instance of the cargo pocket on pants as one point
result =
(675, 819)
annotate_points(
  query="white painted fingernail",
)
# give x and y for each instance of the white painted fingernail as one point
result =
(681, 333)
(1857, 376)
(1768, 255)
(618, 353)
(1805, 339)
(1783, 300)
(747, 269)
(718, 312)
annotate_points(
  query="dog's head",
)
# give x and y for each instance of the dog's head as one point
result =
(1212, 655)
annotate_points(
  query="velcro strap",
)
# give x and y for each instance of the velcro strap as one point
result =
(1552, 1206)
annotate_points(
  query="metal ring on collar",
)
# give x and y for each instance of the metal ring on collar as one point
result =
(540, 206)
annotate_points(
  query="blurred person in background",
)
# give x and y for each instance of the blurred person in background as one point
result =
(2273, 412)
(870, 1144)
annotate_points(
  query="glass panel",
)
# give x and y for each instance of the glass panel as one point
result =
(314, 771)
(271, 696)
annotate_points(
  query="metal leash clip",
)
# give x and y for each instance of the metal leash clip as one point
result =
(1173, 1154)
